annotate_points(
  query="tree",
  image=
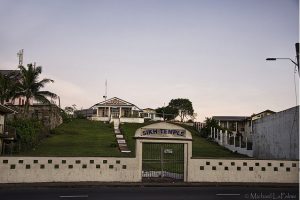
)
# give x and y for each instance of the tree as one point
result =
(167, 112)
(209, 123)
(184, 107)
(7, 87)
(30, 87)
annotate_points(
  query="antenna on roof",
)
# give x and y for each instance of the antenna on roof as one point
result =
(105, 96)
(20, 55)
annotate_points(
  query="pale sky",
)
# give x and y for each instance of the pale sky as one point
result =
(150, 51)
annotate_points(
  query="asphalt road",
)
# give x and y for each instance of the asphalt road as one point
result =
(146, 193)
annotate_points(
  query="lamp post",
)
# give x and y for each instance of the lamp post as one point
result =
(274, 59)
(295, 62)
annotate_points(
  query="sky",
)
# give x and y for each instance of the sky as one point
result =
(151, 51)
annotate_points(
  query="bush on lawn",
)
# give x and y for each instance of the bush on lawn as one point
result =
(29, 132)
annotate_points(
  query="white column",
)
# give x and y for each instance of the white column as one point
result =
(120, 112)
(246, 142)
(214, 132)
(227, 125)
(221, 138)
(211, 131)
(226, 138)
(234, 140)
(97, 112)
(108, 112)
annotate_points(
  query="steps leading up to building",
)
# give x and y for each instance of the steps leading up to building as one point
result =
(120, 137)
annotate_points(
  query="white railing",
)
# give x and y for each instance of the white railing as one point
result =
(223, 139)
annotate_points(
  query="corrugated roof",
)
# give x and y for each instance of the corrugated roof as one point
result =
(4, 109)
(115, 101)
(8, 71)
(230, 118)
(266, 111)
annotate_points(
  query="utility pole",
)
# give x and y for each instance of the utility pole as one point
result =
(105, 96)
(297, 54)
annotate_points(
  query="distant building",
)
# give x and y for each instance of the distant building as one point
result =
(149, 113)
(262, 114)
(116, 108)
(250, 121)
(242, 125)
(235, 124)
(199, 125)
(3, 112)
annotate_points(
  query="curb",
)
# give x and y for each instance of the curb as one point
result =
(134, 184)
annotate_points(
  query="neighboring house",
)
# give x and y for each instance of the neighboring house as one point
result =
(250, 121)
(3, 112)
(241, 124)
(188, 118)
(149, 113)
(235, 124)
(199, 125)
(262, 114)
(116, 108)
(15, 75)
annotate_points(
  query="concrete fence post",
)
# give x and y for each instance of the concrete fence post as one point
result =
(246, 143)
(211, 131)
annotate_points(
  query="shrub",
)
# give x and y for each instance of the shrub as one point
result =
(28, 132)
(80, 116)
(65, 117)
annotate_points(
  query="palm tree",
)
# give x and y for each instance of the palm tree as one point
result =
(7, 86)
(30, 86)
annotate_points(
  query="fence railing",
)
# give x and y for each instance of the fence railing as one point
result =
(232, 142)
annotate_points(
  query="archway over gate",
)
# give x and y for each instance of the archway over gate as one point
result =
(163, 150)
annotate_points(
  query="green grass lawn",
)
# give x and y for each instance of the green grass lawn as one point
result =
(201, 146)
(204, 148)
(91, 138)
(79, 138)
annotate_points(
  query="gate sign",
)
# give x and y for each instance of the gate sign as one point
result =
(168, 151)
(163, 132)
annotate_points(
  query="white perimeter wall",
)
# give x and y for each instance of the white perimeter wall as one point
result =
(131, 120)
(75, 169)
(213, 170)
(277, 136)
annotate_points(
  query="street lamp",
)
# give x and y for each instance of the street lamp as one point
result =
(297, 56)
(274, 59)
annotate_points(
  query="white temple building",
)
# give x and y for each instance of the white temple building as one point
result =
(116, 108)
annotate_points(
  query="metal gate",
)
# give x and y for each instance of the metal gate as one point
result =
(163, 162)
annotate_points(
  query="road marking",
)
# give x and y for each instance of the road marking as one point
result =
(75, 196)
(228, 194)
